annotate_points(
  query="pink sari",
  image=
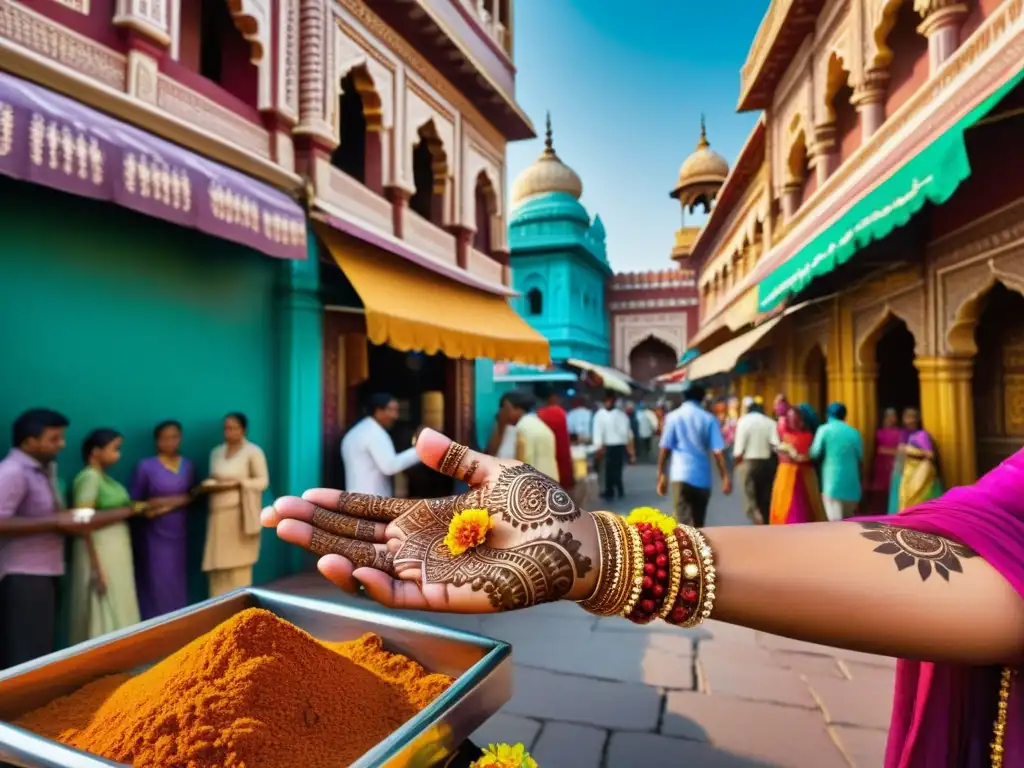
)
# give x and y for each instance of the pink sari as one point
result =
(943, 714)
(887, 438)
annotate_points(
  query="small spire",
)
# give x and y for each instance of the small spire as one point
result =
(549, 144)
(703, 142)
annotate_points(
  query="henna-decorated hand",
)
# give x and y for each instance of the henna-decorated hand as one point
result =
(542, 547)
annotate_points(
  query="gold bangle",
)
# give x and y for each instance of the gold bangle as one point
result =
(675, 575)
(636, 560)
(607, 556)
(619, 590)
(706, 564)
(695, 572)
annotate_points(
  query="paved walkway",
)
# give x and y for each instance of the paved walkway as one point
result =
(604, 693)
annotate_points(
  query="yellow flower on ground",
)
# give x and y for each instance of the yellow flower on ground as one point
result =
(468, 529)
(505, 756)
(654, 517)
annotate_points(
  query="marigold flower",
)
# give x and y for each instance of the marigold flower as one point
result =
(505, 756)
(654, 517)
(468, 529)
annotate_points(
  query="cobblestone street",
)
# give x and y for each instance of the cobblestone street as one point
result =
(595, 692)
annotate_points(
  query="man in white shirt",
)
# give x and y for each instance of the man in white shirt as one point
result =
(613, 439)
(580, 419)
(754, 454)
(646, 426)
(369, 455)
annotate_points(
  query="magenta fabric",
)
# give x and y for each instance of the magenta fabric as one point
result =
(881, 470)
(943, 713)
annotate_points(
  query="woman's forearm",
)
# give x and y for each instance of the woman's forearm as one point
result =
(828, 583)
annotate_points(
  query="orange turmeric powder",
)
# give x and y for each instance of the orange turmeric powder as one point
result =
(256, 692)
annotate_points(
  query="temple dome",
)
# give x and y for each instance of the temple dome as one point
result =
(701, 174)
(547, 174)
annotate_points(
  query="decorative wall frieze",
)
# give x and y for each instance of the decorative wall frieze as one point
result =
(186, 104)
(37, 33)
(628, 331)
(664, 303)
(906, 303)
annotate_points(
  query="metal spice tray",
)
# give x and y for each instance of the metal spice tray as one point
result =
(482, 670)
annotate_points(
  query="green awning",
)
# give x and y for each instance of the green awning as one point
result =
(932, 175)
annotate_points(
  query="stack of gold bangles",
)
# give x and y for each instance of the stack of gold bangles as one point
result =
(652, 568)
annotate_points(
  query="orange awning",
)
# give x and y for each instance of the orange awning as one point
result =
(413, 309)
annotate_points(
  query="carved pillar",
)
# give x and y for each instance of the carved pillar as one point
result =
(373, 171)
(941, 21)
(864, 408)
(399, 199)
(316, 64)
(463, 242)
(947, 412)
(791, 192)
(869, 99)
(824, 151)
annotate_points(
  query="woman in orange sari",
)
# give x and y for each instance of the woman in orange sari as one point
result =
(796, 497)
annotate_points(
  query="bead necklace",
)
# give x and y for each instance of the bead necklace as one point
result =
(999, 731)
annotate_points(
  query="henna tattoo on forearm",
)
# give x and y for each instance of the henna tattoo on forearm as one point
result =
(527, 499)
(926, 550)
(361, 553)
(343, 525)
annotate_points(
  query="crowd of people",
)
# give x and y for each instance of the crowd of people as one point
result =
(128, 555)
(791, 467)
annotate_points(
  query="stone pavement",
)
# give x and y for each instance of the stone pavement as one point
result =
(603, 693)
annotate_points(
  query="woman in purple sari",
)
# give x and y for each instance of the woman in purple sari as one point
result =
(160, 542)
(940, 586)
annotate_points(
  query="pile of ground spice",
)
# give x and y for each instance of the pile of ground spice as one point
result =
(256, 692)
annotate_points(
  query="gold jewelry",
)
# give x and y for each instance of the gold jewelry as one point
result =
(611, 564)
(999, 730)
(675, 575)
(623, 585)
(636, 561)
(707, 558)
(452, 459)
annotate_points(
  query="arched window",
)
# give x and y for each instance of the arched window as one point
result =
(350, 154)
(211, 45)
(486, 208)
(535, 301)
(429, 171)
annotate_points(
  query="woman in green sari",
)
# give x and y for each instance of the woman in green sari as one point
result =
(915, 474)
(103, 595)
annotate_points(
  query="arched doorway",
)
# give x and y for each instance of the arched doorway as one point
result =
(650, 359)
(999, 378)
(898, 385)
(816, 374)
(429, 173)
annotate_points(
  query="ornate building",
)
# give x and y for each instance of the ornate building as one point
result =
(866, 246)
(183, 146)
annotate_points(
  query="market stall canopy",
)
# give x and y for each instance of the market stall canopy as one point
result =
(48, 139)
(411, 308)
(611, 379)
(725, 358)
(510, 373)
(932, 175)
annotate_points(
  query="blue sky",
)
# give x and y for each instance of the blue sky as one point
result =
(626, 82)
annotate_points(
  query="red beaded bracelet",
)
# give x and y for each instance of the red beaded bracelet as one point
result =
(657, 575)
(685, 610)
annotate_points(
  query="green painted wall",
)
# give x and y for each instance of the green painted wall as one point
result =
(120, 320)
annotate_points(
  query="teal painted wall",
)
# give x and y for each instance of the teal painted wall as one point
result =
(123, 320)
(486, 395)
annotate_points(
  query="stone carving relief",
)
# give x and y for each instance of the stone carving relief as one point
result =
(630, 330)
(963, 292)
(253, 19)
(182, 102)
(908, 306)
(349, 54)
(143, 77)
(288, 59)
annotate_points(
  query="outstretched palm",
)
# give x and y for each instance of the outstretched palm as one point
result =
(539, 549)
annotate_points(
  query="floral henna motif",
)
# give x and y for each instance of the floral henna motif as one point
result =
(372, 507)
(361, 553)
(343, 525)
(535, 572)
(527, 499)
(926, 550)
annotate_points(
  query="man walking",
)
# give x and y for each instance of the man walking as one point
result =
(613, 439)
(755, 461)
(839, 448)
(535, 442)
(368, 452)
(691, 437)
(553, 414)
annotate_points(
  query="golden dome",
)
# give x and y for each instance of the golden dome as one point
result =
(701, 174)
(547, 174)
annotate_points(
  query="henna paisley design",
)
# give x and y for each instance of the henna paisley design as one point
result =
(361, 553)
(926, 550)
(371, 507)
(527, 499)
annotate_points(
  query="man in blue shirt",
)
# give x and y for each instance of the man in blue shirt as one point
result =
(690, 438)
(839, 448)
